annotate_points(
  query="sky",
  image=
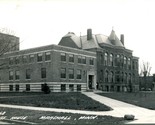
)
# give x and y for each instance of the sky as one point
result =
(45, 22)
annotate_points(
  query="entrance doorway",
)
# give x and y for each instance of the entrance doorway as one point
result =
(90, 81)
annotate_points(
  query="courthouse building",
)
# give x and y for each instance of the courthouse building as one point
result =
(117, 68)
(77, 63)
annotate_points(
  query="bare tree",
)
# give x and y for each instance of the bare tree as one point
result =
(145, 72)
(8, 42)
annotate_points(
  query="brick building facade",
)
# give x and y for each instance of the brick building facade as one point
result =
(62, 68)
(117, 68)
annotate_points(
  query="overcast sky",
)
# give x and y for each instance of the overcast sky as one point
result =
(44, 22)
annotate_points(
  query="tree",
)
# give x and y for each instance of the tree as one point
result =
(145, 72)
(8, 42)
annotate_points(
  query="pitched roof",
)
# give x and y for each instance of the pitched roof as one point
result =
(97, 41)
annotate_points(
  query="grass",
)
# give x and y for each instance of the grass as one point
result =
(74, 119)
(64, 100)
(142, 99)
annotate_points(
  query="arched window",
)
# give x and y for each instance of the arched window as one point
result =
(125, 78)
(117, 77)
(122, 77)
(105, 59)
(106, 76)
(111, 59)
(129, 79)
(117, 62)
(111, 77)
(125, 59)
(129, 63)
(101, 59)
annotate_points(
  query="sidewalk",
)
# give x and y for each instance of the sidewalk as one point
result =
(119, 109)
(142, 115)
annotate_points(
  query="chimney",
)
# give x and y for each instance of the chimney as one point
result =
(122, 38)
(89, 34)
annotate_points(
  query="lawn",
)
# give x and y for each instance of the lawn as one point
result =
(73, 100)
(53, 118)
(142, 99)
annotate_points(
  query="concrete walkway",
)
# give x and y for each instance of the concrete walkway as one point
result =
(119, 109)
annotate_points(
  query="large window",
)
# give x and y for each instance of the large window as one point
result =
(91, 61)
(106, 76)
(71, 58)
(28, 74)
(17, 75)
(71, 73)
(79, 59)
(71, 87)
(24, 59)
(17, 87)
(11, 61)
(17, 60)
(39, 57)
(11, 87)
(78, 87)
(27, 87)
(63, 73)
(63, 56)
(63, 87)
(111, 60)
(105, 59)
(111, 77)
(47, 56)
(129, 63)
(31, 58)
(10, 75)
(83, 60)
(79, 73)
(117, 61)
(43, 72)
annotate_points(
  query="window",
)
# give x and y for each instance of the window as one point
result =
(27, 87)
(91, 61)
(133, 65)
(71, 58)
(31, 58)
(17, 87)
(129, 63)
(101, 59)
(47, 56)
(11, 61)
(24, 59)
(111, 60)
(63, 87)
(111, 77)
(43, 72)
(39, 57)
(71, 87)
(83, 60)
(63, 73)
(28, 74)
(129, 79)
(17, 60)
(105, 59)
(79, 59)
(117, 77)
(125, 77)
(79, 74)
(106, 76)
(11, 87)
(78, 87)
(63, 56)
(10, 75)
(117, 63)
(125, 60)
(71, 74)
(17, 75)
